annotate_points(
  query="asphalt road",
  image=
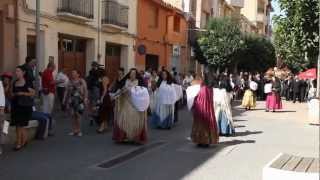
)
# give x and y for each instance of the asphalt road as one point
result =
(169, 154)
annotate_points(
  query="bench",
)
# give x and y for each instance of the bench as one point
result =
(31, 128)
(289, 167)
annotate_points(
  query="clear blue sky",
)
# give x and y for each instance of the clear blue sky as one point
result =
(276, 8)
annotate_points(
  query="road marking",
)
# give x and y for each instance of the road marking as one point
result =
(127, 156)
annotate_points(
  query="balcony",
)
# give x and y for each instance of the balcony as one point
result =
(261, 18)
(236, 3)
(114, 15)
(79, 10)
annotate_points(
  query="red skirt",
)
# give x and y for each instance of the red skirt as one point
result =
(273, 101)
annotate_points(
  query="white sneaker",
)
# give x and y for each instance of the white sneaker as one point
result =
(72, 134)
(79, 134)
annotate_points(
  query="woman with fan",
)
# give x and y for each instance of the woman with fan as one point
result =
(131, 104)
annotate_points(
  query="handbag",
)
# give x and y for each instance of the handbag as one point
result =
(25, 101)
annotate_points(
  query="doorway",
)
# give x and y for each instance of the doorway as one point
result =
(113, 60)
(72, 54)
(152, 61)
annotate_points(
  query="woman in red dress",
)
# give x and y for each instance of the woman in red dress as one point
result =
(204, 128)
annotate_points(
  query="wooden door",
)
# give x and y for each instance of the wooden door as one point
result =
(113, 60)
(152, 61)
(72, 56)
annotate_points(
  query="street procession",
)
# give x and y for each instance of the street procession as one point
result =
(159, 89)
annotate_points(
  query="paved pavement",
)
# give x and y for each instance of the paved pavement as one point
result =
(170, 154)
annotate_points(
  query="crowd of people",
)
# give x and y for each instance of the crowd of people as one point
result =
(128, 103)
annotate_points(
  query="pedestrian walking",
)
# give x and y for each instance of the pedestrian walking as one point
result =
(106, 107)
(22, 103)
(273, 101)
(62, 81)
(152, 90)
(313, 104)
(94, 87)
(296, 89)
(48, 88)
(200, 101)
(249, 98)
(7, 86)
(166, 97)
(222, 107)
(131, 104)
(2, 107)
(76, 99)
(29, 66)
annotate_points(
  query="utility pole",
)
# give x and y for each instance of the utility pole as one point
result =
(99, 31)
(38, 40)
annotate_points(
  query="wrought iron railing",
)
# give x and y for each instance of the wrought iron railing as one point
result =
(82, 8)
(114, 13)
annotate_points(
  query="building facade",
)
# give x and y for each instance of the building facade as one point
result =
(75, 33)
(162, 36)
(258, 12)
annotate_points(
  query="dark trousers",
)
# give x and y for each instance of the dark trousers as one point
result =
(302, 95)
(295, 96)
(288, 95)
(60, 94)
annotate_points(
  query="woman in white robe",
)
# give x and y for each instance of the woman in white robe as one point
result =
(223, 110)
(166, 97)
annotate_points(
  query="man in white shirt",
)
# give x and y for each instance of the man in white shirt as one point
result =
(2, 106)
(62, 81)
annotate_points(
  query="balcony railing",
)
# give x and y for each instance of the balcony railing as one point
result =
(82, 8)
(114, 13)
(236, 3)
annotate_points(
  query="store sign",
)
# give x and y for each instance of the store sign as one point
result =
(142, 50)
(176, 50)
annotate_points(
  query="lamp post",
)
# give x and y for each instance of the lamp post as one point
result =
(38, 40)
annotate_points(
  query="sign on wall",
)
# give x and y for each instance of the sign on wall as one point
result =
(176, 50)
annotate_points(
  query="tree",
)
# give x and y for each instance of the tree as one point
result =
(220, 41)
(258, 54)
(296, 35)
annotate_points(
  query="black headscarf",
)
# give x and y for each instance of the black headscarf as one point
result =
(169, 80)
(122, 82)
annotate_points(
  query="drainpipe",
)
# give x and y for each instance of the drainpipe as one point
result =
(38, 41)
(99, 30)
(16, 29)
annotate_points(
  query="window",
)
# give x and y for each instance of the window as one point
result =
(154, 16)
(113, 50)
(176, 24)
(67, 45)
(261, 7)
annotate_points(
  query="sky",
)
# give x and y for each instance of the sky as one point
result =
(276, 8)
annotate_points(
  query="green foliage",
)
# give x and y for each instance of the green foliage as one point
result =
(258, 54)
(224, 45)
(221, 41)
(296, 34)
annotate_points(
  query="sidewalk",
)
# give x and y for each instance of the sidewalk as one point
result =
(287, 131)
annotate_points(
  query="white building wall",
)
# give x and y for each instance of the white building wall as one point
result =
(52, 25)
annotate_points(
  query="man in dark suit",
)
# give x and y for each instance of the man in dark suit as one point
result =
(303, 90)
(289, 90)
(296, 89)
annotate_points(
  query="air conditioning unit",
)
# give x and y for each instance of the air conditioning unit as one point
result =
(10, 11)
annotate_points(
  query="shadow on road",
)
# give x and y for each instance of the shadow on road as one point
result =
(247, 133)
